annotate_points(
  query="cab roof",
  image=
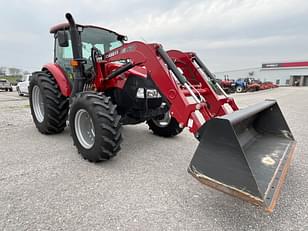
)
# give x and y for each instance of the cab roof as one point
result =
(65, 26)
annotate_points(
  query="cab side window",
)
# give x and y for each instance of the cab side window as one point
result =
(63, 56)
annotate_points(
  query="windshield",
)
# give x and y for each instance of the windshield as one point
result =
(24, 78)
(101, 39)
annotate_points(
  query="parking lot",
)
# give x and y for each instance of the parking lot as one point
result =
(46, 185)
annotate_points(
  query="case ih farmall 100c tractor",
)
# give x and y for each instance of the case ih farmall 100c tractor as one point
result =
(100, 83)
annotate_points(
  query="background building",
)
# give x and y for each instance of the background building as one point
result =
(284, 74)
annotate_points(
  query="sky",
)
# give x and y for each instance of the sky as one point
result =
(226, 34)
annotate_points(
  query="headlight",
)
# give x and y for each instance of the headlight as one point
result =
(152, 93)
(140, 93)
(148, 93)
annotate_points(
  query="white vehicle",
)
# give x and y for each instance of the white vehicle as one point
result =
(22, 87)
(5, 85)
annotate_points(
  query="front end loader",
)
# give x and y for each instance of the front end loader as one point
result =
(100, 82)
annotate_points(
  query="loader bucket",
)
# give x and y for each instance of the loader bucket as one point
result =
(246, 153)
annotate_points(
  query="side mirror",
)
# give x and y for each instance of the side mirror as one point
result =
(62, 38)
(122, 38)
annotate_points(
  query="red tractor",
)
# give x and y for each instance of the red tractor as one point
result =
(100, 83)
(227, 85)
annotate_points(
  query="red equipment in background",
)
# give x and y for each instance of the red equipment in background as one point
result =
(267, 85)
(227, 85)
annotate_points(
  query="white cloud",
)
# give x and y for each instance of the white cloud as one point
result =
(208, 17)
(246, 31)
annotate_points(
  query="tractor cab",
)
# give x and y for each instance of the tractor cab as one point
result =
(99, 38)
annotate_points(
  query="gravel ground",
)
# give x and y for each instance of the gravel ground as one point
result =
(46, 185)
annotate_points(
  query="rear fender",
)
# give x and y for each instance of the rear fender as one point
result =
(59, 75)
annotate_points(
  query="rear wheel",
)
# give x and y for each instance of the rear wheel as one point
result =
(239, 89)
(49, 108)
(166, 126)
(95, 126)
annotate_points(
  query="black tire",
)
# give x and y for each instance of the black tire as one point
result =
(11, 89)
(19, 92)
(55, 105)
(106, 124)
(239, 89)
(170, 130)
(6, 89)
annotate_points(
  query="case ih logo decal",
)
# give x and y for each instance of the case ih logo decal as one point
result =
(283, 65)
(112, 53)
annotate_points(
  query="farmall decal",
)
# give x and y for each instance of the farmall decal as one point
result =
(128, 49)
(121, 51)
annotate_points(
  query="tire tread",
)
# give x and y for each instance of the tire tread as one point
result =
(56, 110)
(106, 119)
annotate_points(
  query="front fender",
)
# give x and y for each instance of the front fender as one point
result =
(61, 79)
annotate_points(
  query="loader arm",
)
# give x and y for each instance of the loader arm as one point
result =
(196, 73)
(176, 87)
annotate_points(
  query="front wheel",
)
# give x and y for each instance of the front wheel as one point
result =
(166, 126)
(95, 126)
